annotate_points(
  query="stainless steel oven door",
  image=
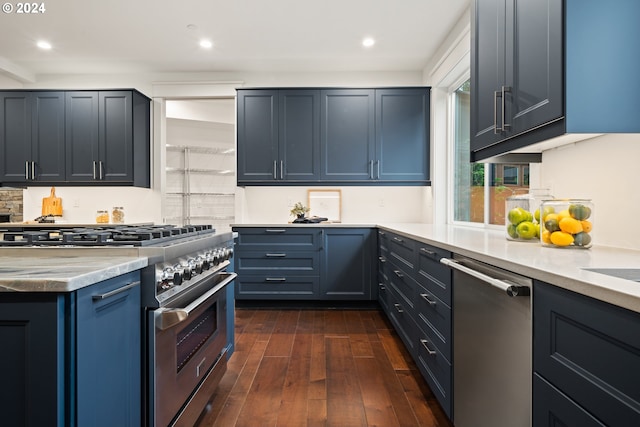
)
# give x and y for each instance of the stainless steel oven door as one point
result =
(188, 343)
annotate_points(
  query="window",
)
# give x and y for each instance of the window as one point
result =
(479, 190)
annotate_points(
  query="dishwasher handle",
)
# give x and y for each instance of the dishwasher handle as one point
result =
(512, 289)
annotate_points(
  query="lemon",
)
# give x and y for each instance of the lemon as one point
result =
(545, 236)
(561, 238)
(570, 225)
(587, 226)
(563, 214)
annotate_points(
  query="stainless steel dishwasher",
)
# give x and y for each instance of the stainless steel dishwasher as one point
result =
(492, 335)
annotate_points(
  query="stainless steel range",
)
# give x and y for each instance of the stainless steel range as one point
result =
(187, 305)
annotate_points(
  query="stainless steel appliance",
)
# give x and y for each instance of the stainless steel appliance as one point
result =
(492, 335)
(187, 304)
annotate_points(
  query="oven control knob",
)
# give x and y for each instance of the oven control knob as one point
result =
(216, 257)
(199, 264)
(208, 259)
(178, 276)
(229, 253)
(187, 273)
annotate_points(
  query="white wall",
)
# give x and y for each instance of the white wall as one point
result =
(602, 169)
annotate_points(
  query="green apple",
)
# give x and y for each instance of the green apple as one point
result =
(526, 230)
(511, 231)
(518, 215)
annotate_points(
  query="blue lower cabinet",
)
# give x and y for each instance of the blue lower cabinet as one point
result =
(108, 353)
(72, 359)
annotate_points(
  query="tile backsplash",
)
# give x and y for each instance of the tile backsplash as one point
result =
(11, 203)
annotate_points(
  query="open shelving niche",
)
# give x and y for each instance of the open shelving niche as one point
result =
(200, 184)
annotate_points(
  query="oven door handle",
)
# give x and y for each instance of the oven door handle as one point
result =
(169, 317)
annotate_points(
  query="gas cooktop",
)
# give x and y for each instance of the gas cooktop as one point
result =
(106, 235)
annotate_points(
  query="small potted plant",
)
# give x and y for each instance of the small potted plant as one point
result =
(299, 210)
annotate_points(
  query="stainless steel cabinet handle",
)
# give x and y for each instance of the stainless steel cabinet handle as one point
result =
(399, 274)
(168, 317)
(511, 289)
(275, 279)
(109, 294)
(505, 125)
(33, 170)
(378, 169)
(275, 255)
(426, 347)
(281, 169)
(26, 170)
(399, 240)
(275, 169)
(427, 299)
(496, 129)
(382, 259)
(398, 308)
(427, 251)
(382, 287)
(95, 176)
(275, 230)
(382, 233)
(371, 169)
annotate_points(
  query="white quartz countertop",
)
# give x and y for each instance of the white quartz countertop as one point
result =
(62, 273)
(563, 267)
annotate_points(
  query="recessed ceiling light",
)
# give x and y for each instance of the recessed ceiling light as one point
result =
(44, 45)
(368, 42)
(206, 44)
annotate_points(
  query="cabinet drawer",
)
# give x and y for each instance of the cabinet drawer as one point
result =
(402, 283)
(434, 276)
(551, 404)
(402, 251)
(278, 239)
(589, 350)
(433, 316)
(401, 319)
(258, 262)
(277, 287)
(436, 370)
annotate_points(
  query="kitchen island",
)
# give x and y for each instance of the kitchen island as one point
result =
(71, 331)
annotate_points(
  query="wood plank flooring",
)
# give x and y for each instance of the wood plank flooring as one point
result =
(310, 367)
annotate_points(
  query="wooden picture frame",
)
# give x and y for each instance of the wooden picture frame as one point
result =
(325, 204)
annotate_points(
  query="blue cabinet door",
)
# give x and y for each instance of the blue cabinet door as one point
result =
(347, 267)
(115, 136)
(108, 353)
(299, 135)
(402, 134)
(257, 128)
(347, 134)
(32, 362)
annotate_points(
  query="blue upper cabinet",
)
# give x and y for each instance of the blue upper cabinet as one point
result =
(32, 137)
(333, 136)
(539, 70)
(348, 134)
(402, 135)
(278, 136)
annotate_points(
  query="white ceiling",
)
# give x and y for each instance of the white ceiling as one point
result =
(153, 36)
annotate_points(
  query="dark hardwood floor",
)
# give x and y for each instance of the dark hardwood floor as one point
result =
(314, 367)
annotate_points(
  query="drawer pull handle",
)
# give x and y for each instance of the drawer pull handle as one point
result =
(398, 308)
(426, 347)
(382, 287)
(381, 233)
(399, 240)
(271, 255)
(427, 251)
(382, 259)
(101, 297)
(427, 299)
(275, 230)
(275, 279)
(399, 274)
